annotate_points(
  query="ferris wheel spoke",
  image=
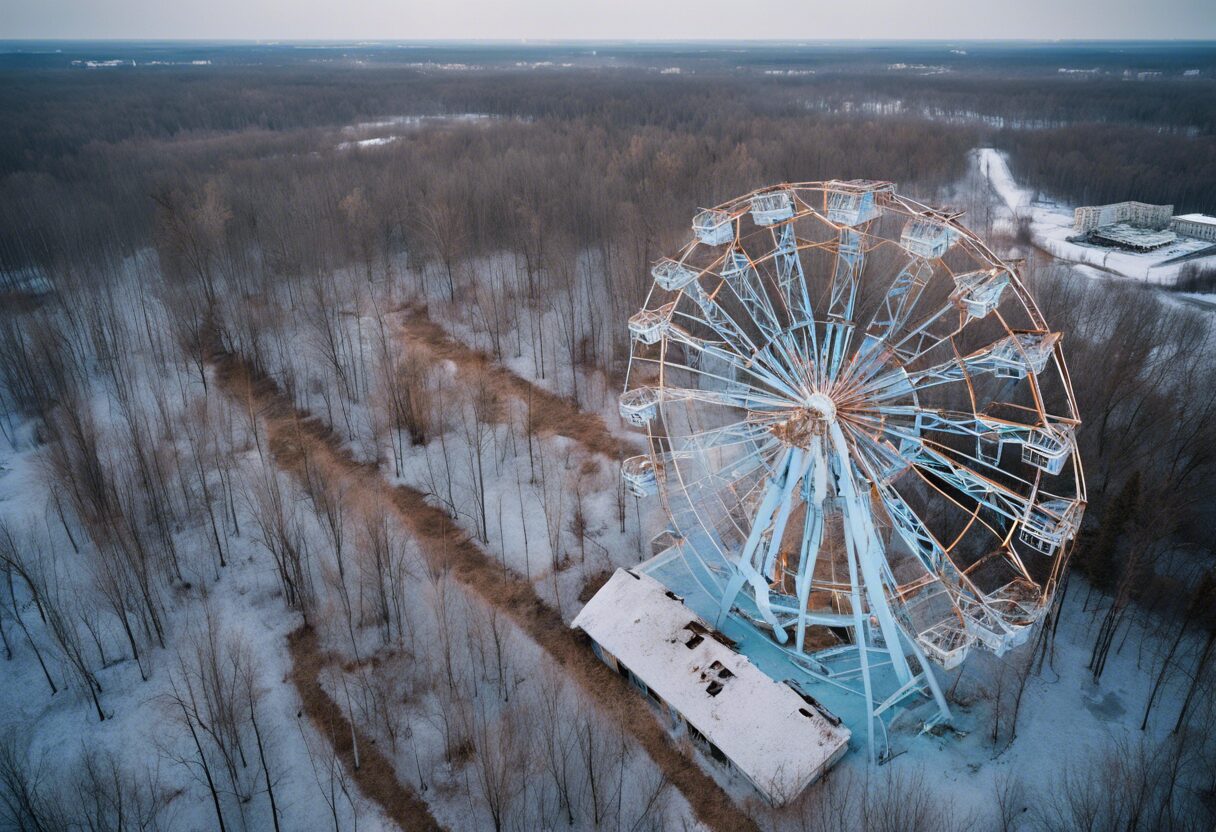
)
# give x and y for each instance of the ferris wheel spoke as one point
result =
(976, 464)
(734, 340)
(717, 318)
(960, 423)
(881, 460)
(743, 349)
(757, 370)
(976, 295)
(923, 544)
(740, 275)
(734, 336)
(801, 336)
(850, 259)
(731, 394)
(777, 357)
(936, 328)
(734, 472)
(842, 298)
(1013, 357)
(735, 434)
(715, 389)
(1001, 499)
(897, 305)
(791, 278)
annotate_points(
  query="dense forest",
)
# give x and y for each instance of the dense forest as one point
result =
(134, 130)
(308, 378)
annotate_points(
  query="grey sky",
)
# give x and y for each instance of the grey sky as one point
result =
(607, 19)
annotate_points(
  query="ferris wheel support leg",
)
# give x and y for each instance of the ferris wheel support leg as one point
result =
(799, 463)
(816, 489)
(860, 530)
(760, 590)
(860, 641)
(930, 679)
(811, 536)
(772, 496)
(728, 596)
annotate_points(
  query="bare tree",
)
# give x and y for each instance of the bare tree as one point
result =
(278, 531)
(502, 761)
(27, 795)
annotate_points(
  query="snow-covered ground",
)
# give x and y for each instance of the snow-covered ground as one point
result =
(391, 128)
(1065, 717)
(1051, 224)
(141, 728)
(366, 143)
(551, 513)
(246, 598)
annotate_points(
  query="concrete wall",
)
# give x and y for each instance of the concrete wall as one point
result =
(1191, 228)
(1142, 214)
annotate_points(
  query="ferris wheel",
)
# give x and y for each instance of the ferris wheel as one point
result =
(861, 428)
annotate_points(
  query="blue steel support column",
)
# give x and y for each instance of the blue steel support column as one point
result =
(816, 489)
(860, 639)
(859, 527)
(743, 566)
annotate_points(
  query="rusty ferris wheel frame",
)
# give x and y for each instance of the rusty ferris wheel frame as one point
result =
(862, 430)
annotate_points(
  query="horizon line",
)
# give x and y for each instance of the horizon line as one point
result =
(357, 41)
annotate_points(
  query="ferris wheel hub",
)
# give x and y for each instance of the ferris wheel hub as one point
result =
(823, 405)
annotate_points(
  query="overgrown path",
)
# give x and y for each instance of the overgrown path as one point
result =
(300, 443)
(375, 776)
(551, 413)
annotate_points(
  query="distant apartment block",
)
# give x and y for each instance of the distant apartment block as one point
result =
(1137, 214)
(1199, 226)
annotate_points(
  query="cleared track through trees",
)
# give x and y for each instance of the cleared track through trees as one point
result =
(551, 413)
(300, 443)
(375, 776)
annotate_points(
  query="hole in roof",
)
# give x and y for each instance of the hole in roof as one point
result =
(715, 687)
(696, 639)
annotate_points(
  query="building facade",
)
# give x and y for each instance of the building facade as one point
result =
(1199, 226)
(1139, 214)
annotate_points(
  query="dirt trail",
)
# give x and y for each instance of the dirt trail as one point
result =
(299, 441)
(551, 413)
(376, 777)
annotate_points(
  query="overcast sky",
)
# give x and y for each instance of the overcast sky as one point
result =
(606, 19)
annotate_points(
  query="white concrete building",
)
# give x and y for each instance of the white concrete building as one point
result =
(763, 729)
(1139, 214)
(1199, 226)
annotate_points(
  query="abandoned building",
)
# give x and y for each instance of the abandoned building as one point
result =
(776, 738)
(1135, 214)
(1199, 226)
